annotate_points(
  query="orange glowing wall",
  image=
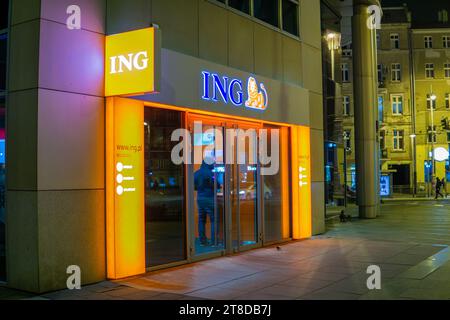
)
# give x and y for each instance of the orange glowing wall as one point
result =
(125, 188)
(301, 182)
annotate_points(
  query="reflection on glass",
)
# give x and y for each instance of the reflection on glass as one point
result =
(248, 193)
(3, 51)
(164, 191)
(2, 191)
(267, 11)
(209, 192)
(4, 14)
(272, 202)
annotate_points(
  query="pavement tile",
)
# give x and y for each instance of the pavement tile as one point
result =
(217, 293)
(426, 294)
(327, 294)
(286, 291)
(262, 296)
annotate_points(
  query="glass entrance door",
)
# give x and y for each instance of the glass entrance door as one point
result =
(245, 193)
(209, 189)
(225, 183)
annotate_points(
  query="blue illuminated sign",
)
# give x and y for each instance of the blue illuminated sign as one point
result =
(218, 88)
(385, 185)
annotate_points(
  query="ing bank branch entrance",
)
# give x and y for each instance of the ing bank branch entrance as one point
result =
(198, 163)
(184, 186)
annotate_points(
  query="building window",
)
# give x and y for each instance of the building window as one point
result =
(399, 140)
(431, 102)
(448, 136)
(395, 41)
(428, 42)
(447, 100)
(397, 104)
(446, 42)
(380, 109)
(346, 105)
(4, 14)
(378, 40)
(380, 73)
(267, 11)
(429, 70)
(396, 72)
(241, 5)
(382, 139)
(290, 17)
(348, 140)
(447, 70)
(345, 72)
(431, 134)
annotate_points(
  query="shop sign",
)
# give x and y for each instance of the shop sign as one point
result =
(249, 93)
(132, 63)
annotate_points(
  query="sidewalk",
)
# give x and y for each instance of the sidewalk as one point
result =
(409, 242)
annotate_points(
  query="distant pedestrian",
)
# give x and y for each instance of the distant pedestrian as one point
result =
(438, 188)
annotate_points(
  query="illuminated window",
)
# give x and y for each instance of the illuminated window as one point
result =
(397, 104)
(395, 41)
(447, 70)
(428, 42)
(429, 70)
(396, 72)
(398, 140)
(446, 42)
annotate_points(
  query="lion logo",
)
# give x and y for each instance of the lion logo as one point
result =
(256, 99)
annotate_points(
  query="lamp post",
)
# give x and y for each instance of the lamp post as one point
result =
(413, 150)
(433, 136)
(334, 43)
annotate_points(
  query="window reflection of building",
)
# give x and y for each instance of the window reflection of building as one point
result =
(4, 12)
(164, 192)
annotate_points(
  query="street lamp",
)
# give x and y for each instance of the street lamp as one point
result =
(334, 43)
(433, 98)
(413, 150)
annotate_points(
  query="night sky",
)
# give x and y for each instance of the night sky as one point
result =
(424, 11)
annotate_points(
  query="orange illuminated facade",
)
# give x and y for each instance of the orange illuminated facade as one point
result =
(161, 213)
(125, 212)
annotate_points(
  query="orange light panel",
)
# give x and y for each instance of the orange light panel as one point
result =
(301, 179)
(125, 188)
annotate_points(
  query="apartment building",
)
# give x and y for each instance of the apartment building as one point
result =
(413, 74)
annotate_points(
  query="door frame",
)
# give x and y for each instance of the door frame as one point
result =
(225, 123)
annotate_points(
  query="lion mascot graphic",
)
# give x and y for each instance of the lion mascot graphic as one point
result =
(256, 99)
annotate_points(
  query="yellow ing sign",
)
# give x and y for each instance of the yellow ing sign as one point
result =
(132, 63)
